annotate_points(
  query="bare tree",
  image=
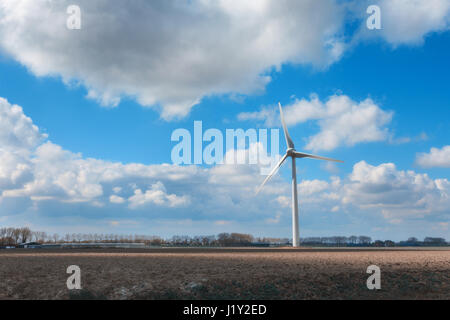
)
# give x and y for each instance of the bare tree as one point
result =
(25, 234)
(3, 236)
(40, 236)
(16, 236)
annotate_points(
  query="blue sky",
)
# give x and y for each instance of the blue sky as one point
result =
(98, 145)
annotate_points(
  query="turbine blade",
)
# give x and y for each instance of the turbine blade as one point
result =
(305, 155)
(274, 170)
(289, 142)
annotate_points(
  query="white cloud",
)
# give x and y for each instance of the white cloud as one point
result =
(393, 194)
(342, 121)
(435, 158)
(309, 187)
(157, 194)
(403, 22)
(284, 201)
(172, 53)
(117, 189)
(17, 132)
(266, 114)
(18, 135)
(399, 194)
(15, 169)
(409, 21)
(116, 199)
(274, 220)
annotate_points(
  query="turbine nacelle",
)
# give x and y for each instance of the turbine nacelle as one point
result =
(291, 152)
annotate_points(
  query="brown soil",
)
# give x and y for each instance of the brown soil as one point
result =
(170, 273)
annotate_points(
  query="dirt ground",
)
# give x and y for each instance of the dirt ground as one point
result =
(181, 273)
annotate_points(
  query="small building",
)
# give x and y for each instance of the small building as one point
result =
(30, 245)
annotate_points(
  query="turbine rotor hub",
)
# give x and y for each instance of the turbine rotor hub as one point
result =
(290, 152)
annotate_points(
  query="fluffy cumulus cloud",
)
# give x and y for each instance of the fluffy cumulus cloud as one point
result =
(435, 158)
(17, 130)
(399, 194)
(156, 194)
(393, 194)
(403, 22)
(409, 21)
(342, 121)
(309, 187)
(169, 53)
(18, 136)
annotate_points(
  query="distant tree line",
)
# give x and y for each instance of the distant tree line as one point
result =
(16, 236)
(337, 241)
(363, 241)
(13, 236)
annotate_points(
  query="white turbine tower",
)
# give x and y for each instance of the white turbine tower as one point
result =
(290, 152)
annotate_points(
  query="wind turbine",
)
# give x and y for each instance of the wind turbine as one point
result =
(291, 152)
